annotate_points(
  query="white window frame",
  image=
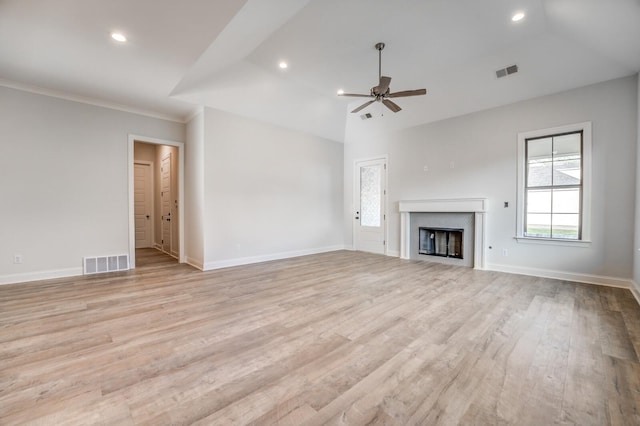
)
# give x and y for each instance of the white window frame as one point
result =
(585, 128)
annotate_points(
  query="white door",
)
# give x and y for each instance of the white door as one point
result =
(370, 212)
(165, 202)
(143, 204)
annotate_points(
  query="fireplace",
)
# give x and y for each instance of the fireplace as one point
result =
(411, 217)
(443, 242)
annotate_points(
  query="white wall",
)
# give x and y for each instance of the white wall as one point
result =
(64, 182)
(270, 192)
(194, 191)
(483, 147)
(636, 248)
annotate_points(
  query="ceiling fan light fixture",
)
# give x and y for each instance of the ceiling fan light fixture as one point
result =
(119, 37)
(518, 16)
(340, 92)
(283, 65)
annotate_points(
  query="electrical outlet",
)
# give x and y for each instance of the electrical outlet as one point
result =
(17, 259)
(505, 252)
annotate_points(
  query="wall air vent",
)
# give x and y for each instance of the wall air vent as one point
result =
(503, 72)
(366, 116)
(99, 265)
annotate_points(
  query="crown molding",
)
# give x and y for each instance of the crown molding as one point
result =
(89, 101)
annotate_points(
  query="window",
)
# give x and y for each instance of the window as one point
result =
(554, 184)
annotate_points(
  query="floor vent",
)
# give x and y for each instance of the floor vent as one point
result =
(512, 69)
(99, 265)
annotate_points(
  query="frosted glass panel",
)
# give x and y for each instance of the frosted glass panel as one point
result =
(370, 195)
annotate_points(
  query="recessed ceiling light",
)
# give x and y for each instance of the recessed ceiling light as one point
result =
(118, 37)
(283, 65)
(340, 92)
(517, 17)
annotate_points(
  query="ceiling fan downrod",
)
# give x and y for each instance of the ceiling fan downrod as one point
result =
(379, 46)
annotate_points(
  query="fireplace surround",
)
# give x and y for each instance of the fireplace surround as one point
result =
(475, 206)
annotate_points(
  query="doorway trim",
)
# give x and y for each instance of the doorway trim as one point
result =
(132, 228)
(385, 196)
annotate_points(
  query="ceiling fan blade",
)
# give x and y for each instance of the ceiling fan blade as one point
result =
(406, 93)
(392, 106)
(357, 95)
(384, 85)
(363, 106)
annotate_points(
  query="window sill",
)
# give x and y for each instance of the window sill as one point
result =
(548, 241)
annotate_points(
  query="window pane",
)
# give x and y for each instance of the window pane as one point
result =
(566, 200)
(567, 151)
(566, 226)
(370, 195)
(539, 161)
(538, 225)
(539, 201)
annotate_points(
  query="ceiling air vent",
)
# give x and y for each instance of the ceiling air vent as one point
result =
(366, 116)
(512, 69)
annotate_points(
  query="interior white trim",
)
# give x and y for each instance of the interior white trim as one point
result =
(585, 127)
(565, 276)
(267, 257)
(385, 199)
(88, 101)
(477, 206)
(132, 228)
(393, 253)
(549, 241)
(196, 263)
(452, 205)
(635, 290)
(40, 275)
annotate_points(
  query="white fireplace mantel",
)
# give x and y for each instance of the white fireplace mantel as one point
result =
(477, 206)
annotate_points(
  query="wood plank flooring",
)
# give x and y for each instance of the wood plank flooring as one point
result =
(336, 338)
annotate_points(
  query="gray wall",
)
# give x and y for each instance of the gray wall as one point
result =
(483, 147)
(64, 182)
(636, 248)
(269, 192)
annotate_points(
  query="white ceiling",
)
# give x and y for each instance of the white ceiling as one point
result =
(225, 54)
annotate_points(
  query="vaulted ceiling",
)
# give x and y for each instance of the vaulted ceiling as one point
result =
(225, 54)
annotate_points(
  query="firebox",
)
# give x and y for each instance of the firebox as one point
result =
(443, 242)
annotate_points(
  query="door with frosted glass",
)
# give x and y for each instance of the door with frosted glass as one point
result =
(369, 206)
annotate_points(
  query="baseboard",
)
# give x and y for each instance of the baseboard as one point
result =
(208, 266)
(393, 253)
(40, 275)
(565, 276)
(196, 263)
(635, 290)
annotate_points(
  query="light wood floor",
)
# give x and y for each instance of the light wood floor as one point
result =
(337, 338)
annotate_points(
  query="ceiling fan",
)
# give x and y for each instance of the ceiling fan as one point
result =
(381, 92)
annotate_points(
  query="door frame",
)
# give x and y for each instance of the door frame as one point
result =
(356, 192)
(132, 225)
(168, 157)
(153, 203)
